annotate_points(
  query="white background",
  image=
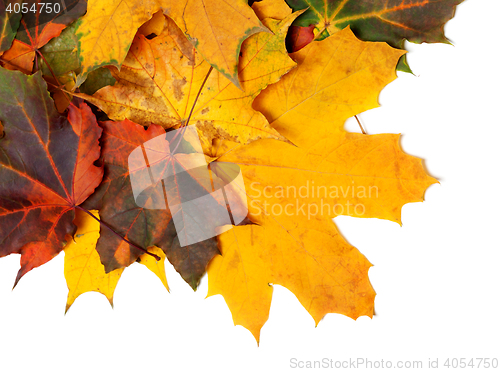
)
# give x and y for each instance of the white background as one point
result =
(436, 278)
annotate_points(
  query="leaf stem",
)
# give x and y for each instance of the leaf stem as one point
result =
(198, 95)
(118, 235)
(192, 109)
(35, 67)
(359, 123)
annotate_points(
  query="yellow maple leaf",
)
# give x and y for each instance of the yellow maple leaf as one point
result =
(294, 191)
(160, 79)
(83, 269)
(106, 32)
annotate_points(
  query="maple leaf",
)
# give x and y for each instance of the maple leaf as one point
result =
(83, 269)
(160, 78)
(107, 30)
(154, 26)
(59, 63)
(49, 180)
(379, 20)
(145, 223)
(32, 36)
(157, 267)
(96, 80)
(121, 212)
(297, 37)
(294, 191)
(61, 58)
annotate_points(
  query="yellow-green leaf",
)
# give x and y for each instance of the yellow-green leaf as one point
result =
(106, 32)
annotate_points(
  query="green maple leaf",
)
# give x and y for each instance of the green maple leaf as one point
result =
(391, 21)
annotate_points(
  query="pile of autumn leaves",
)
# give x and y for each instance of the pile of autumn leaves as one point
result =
(278, 116)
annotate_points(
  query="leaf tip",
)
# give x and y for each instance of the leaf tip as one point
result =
(193, 284)
(255, 331)
(68, 305)
(20, 274)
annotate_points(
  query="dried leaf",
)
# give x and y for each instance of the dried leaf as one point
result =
(154, 26)
(294, 191)
(49, 180)
(114, 198)
(107, 30)
(298, 37)
(157, 267)
(276, 9)
(158, 84)
(319, 183)
(61, 53)
(82, 267)
(147, 223)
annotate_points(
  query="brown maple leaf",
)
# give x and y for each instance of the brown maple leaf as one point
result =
(135, 199)
(46, 168)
